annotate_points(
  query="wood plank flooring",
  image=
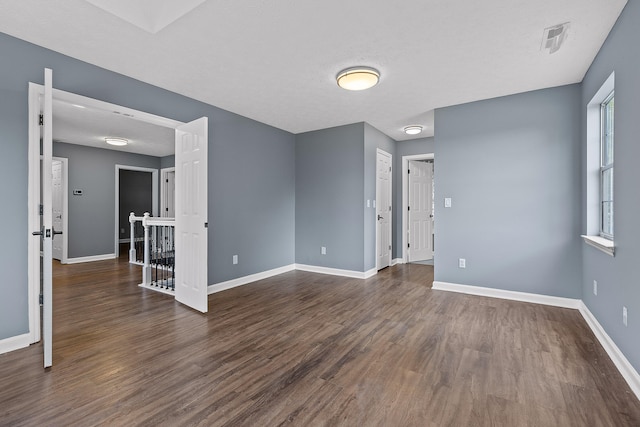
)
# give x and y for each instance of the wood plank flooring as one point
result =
(306, 349)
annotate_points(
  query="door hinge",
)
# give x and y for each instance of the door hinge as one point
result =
(389, 168)
(166, 209)
(408, 170)
(206, 225)
(41, 121)
(389, 208)
(166, 180)
(41, 299)
(408, 245)
(41, 210)
(389, 247)
(408, 208)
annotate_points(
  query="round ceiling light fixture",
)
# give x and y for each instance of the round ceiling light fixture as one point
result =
(116, 141)
(358, 78)
(413, 130)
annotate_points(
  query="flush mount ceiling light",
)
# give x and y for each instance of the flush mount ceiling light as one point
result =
(413, 130)
(358, 78)
(116, 141)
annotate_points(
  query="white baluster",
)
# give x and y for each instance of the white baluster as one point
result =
(146, 268)
(132, 243)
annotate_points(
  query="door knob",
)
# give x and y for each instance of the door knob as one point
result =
(380, 217)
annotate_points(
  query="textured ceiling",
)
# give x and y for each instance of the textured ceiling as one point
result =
(276, 61)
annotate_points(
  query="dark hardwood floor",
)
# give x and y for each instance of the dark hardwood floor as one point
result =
(307, 349)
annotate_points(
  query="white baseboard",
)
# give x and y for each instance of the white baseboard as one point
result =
(397, 261)
(510, 295)
(90, 258)
(157, 289)
(336, 271)
(624, 366)
(223, 286)
(15, 343)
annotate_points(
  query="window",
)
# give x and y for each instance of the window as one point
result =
(606, 167)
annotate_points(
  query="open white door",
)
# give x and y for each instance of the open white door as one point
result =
(47, 223)
(191, 214)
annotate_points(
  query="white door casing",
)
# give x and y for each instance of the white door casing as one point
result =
(191, 215)
(383, 209)
(167, 192)
(420, 215)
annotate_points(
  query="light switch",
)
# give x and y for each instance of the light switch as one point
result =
(368, 203)
(447, 202)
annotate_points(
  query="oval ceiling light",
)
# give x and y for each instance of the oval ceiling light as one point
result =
(116, 141)
(358, 78)
(413, 130)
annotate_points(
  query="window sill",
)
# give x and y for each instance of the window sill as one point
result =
(600, 243)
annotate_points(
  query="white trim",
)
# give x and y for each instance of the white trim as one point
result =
(334, 271)
(509, 295)
(163, 189)
(396, 261)
(380, 152)
(605, 245)
(617, 357)
(15, 343)
(154, 198)
(234, 283)
(405, 198)
(91, 258)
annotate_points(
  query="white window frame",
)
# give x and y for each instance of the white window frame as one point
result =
(607, 234)
(593, 202)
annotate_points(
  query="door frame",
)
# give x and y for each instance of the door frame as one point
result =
(33, 186)
(163, 190)
(154, 199)
(405, 199)
(378, 153)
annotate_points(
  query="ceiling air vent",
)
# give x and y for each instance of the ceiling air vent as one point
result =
(553, 37)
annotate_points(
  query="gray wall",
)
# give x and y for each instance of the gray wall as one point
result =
(136, 195)
(329, 193)
(374, 139)
(618, 276)
(168, 161)
(512, 168)
(251, 170)
(92, 215)
(404, 148)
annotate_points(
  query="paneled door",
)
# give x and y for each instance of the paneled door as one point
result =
(420, 210)
(191, 214)
(383, 209)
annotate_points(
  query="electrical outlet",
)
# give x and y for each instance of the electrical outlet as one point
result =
(624, 315)
(235, 259)
(447, 202)
(462, 263)
(595, 287)
(323, 250)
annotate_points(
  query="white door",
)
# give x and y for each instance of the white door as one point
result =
(191, 218)
(57, 206)
(420, 215)
(47, 237)
(383, 209)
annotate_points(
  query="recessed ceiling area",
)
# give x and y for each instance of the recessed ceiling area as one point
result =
(276, 62)
(89, 126)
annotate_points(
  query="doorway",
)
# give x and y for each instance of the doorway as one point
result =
(194, 183)
(136, 191)
(168, 192)
(418, 221)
